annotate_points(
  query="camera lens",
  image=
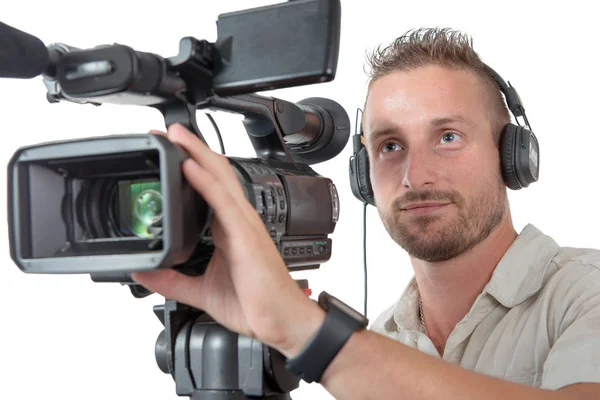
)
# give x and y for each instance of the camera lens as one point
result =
(107, 208)
(146, 209)
(148, 206)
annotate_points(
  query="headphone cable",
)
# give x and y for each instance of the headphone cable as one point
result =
(365, 252)
(357, 144)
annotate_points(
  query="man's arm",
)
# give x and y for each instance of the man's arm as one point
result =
(252, 293)
(372, 366)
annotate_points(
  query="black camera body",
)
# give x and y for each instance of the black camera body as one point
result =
(77, 213)
(109, 206)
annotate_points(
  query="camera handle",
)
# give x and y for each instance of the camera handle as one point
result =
(267, 120)
(181, 112)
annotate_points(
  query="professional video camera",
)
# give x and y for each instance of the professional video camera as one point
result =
(109, 206)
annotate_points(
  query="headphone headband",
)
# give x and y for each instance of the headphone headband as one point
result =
(513, 100)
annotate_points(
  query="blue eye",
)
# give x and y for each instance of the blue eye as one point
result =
(389, 147)
(450, 137)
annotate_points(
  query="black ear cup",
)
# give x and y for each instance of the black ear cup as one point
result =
(519, 156)
(507, 156)
(364, 177)
(360, 182)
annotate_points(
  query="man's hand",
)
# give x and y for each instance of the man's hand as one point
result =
(246, 286)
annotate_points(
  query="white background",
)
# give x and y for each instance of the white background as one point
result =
(65, 337)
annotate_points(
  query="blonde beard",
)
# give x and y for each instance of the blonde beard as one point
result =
(426, 240)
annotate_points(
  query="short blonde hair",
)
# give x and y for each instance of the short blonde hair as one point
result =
(444, 47)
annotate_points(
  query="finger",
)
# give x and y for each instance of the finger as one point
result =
(228, 210)
(174, 285)
(196, 148)
(157, 132)
(215, 163)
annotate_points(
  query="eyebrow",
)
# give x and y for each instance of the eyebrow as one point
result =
(381, 133)
(450, 119)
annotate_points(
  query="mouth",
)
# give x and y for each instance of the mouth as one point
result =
(423, 208)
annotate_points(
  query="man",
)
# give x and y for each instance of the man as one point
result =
(490, 313)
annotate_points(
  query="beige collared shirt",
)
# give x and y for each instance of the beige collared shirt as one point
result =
(537, 321)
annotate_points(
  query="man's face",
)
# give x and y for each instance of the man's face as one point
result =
(434, 164)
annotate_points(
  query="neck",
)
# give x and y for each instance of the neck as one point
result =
(449, 288)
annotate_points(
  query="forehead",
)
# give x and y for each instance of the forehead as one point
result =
(423, 94)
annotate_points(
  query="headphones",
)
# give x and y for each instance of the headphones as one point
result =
(519, 150)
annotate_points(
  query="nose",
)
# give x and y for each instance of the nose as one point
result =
(419, 169)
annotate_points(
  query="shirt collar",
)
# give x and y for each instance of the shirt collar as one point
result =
(520, 272)
(406, 312)
(519, 275)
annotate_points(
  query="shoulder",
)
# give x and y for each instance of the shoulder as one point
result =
(570, 314)
(574, 269)
(572, 287)
(574, 258)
